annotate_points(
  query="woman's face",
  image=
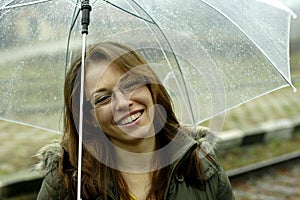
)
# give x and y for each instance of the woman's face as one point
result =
(123, 104)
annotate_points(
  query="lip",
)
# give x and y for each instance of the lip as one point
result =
(118, 122)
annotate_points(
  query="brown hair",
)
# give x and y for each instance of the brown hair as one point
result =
(96, 175)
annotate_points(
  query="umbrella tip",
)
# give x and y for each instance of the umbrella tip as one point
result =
(279, 5)
(293, 87)
(294, 15)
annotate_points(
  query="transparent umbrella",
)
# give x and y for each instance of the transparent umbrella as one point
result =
(211, 56)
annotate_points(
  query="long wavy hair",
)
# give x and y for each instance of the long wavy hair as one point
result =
(97, 177)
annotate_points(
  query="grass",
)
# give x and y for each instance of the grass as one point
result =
(277, 105)
(18, 143)
(242, 156)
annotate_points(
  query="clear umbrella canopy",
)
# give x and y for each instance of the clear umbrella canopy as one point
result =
(211, 56)
(33, 51)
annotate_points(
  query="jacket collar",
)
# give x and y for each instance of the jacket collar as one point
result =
(207, 139)
(186, 140)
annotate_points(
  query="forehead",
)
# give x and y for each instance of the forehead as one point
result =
(102, 74)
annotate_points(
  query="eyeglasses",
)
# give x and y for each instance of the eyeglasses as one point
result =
(126, 86)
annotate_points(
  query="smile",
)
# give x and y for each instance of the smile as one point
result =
(130, 119)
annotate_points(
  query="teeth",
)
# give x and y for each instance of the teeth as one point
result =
(130, 119)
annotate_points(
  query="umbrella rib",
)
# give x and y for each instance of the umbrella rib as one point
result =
(5, 5)
(118, 7)
(176, 60)
(74, 19)
(280, 72)
(181, 73)
(23, 4)
(257, 46)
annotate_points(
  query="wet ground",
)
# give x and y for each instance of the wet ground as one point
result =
(277, 183)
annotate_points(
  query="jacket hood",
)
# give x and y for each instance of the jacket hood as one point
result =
(207, 138)
(49, 155)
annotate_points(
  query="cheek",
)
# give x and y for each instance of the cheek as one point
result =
(104, 117)
(147, 97)
(143, 95)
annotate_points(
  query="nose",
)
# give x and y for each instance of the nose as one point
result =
(121, 101)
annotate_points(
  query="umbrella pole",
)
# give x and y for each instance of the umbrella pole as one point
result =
(79, 167)
(85, 20)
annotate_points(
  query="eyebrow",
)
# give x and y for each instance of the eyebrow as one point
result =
(100, 90)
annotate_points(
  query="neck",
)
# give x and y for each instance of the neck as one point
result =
(136, 157)
(144, 145)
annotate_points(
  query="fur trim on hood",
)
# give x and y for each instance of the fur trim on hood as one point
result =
(49, 156)
(204, 136)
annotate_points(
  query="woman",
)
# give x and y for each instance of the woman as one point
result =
(127, 113)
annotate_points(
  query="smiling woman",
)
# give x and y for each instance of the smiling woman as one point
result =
(122, 104)
(133, 144)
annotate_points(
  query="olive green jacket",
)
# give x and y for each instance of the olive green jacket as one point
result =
(217, 188)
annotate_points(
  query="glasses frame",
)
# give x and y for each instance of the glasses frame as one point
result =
(139, 81)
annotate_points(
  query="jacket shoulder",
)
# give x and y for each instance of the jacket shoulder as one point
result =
(51, 186)
(48, 159)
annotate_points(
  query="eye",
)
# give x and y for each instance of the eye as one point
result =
(102, 99)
